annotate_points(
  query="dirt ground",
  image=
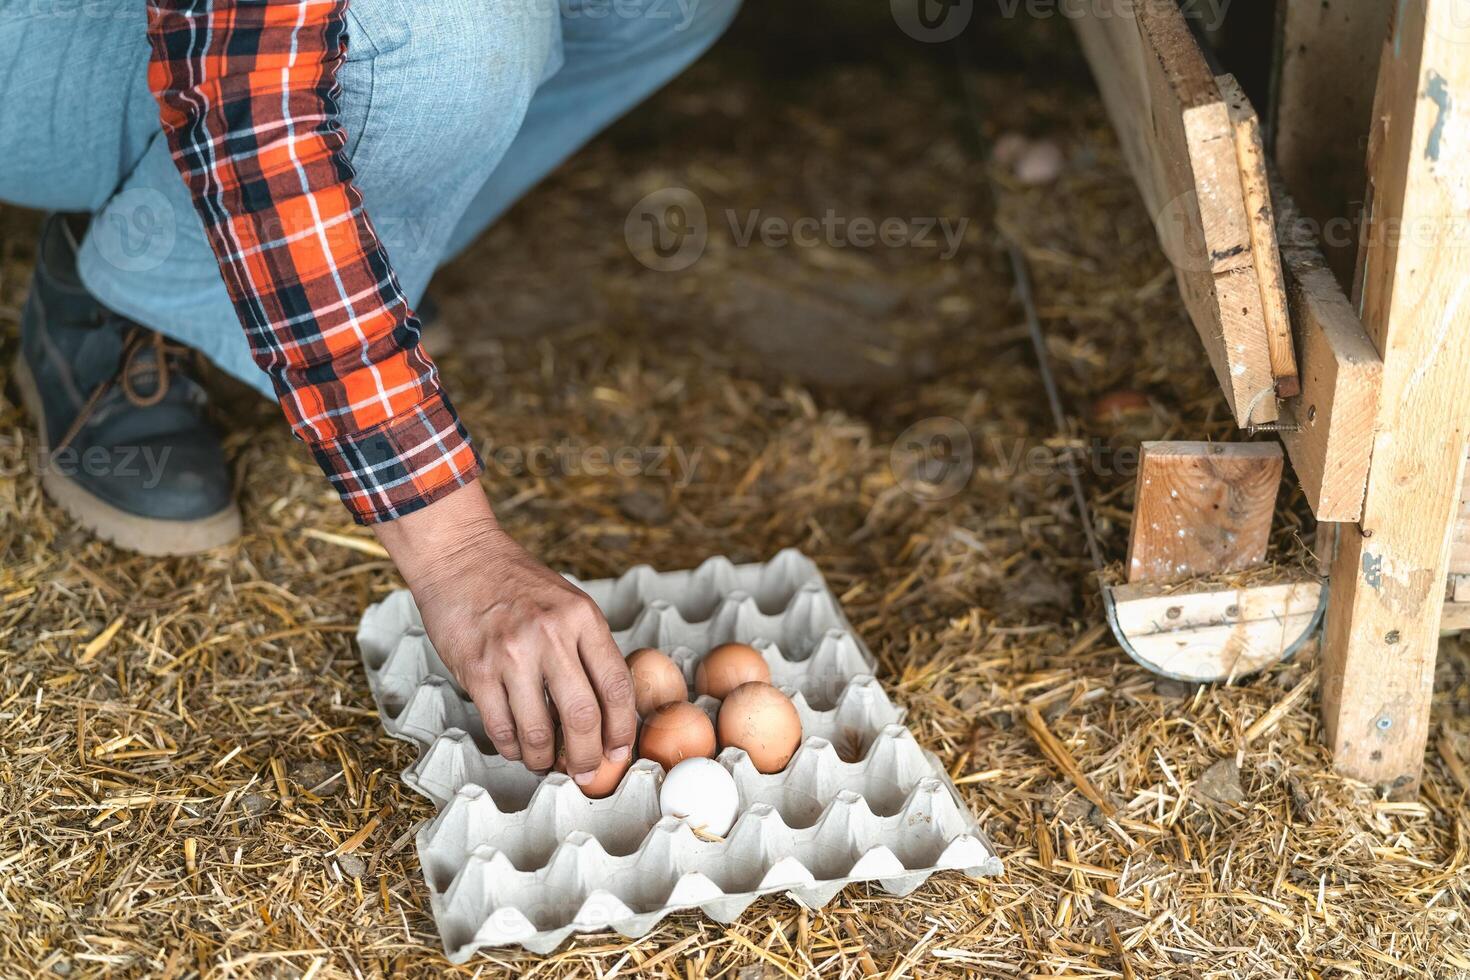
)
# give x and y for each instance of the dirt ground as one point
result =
(175, 792)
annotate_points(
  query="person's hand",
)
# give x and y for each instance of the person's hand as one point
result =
(509, 629)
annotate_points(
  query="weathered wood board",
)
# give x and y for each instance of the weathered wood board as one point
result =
(1460, 539)
(1341, 376)
(1215, 633)
(1456, 614)
(1202, 508)
(1455, 617)
(1255, 186)
(1176, 134)
(1324, 100)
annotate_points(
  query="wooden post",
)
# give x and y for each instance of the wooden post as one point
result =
(1388, 578)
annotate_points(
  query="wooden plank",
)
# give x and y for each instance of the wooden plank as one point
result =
(1388, 578)
(1324, 100)
(1215, 633)
(1202, 508)
(1460, 539)
(1341, 375)
(1176, 134)
(1455, 617)
(1265, 256)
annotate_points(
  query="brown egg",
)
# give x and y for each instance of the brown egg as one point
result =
(656, 680)
(1120, 404)
(674, 732)
(761, 720)
(604, 781)
(728, 666)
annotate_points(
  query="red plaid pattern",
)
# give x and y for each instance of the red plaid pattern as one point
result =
(248, 97)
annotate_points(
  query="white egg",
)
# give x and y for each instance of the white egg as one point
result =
(1040, 163)
(702, 793)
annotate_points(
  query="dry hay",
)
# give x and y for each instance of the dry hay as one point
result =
(193, 779)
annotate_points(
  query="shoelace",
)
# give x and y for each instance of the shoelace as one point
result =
(138, 340)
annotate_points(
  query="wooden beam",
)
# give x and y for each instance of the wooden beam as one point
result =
(1324, 99)
(1329, 428)
(1176, 134)
(1202, 508)
(1265, 255)
(1388, 578)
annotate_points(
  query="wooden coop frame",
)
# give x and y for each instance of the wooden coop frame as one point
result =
(1353, 345)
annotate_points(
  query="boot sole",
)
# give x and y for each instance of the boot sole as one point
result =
(145, 535)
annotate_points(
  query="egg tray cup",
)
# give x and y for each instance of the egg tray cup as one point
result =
(515, 858)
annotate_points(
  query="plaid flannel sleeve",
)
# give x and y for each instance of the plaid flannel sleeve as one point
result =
(248, 98)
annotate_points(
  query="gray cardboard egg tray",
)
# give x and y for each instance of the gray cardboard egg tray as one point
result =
(512, 857)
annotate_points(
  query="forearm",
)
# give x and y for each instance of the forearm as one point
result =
(247, 98)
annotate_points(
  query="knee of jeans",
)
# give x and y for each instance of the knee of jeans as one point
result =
(465, 72)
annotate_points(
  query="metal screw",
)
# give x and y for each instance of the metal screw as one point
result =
(1253, 427)
(1391, 637)
(1384, 724)
(1232, 611)
(1173, 612)
(1311, 413)
(1367, 532)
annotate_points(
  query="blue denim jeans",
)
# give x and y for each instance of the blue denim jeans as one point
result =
(453, 109)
